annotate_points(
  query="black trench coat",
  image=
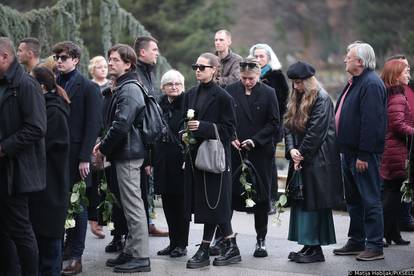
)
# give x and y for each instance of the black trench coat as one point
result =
(217, 108)
(168, 157)
(321, 167)
(257, 119)
(48, 208)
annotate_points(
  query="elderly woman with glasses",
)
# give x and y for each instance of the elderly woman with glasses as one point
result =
(257, 116)
(168, 162)
(209, 109)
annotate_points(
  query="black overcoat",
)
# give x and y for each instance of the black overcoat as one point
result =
(322, 178)
(85, 121)
(257, 119)
(276, 80)
(168, 156)
(218, 108)
(48, 208)
(22, 131)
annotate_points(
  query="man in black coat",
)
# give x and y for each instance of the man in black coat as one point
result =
(124, 147)
(84, 125)
(22, 157)
(147, 52)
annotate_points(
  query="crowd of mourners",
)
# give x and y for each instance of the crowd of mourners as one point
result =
(59, 129)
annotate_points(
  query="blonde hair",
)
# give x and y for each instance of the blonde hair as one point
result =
(93, 62)
(299, 106)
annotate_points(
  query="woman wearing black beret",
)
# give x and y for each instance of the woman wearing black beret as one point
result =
(314, 155)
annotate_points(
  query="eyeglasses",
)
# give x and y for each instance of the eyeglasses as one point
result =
(62, 57)
(171, 84)
(201, 67)
(251, 65)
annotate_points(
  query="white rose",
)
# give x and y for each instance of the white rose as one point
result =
(250, 203)
(407, 199)
(110, 226)
(190, 113)
(70, 223)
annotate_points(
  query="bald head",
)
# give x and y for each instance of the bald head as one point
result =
(7, 54)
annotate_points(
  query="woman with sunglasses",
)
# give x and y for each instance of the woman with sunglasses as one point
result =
(314, 157)
(168, 162)
(272, 75)
(257, 116)
(208, 195)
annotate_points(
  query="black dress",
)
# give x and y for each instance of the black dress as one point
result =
(169, 173)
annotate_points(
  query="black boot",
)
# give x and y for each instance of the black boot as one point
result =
(260, 249)
(217, 246)
(201, 258)
(293, 255)
(230, 255)
(312, 255)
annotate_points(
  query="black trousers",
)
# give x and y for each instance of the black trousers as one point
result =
(93, 195)
(178, 225)
(392, 208)
(16, 229)
(261, 218)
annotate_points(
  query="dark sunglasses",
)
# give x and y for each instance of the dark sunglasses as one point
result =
(251, 65)
(201, 67)
(62, 57)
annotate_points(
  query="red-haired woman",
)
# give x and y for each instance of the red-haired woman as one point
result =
(395, 74)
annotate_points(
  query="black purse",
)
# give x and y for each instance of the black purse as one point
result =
(294, 188)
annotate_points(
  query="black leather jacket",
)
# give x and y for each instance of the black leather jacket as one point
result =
(122, 140)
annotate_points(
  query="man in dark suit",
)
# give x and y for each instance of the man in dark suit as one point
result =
(147, 52)
(84, 126)
(22, 161)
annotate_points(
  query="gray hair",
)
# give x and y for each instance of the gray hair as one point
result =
(274, 62)
(171, 76)
(365, 52)
(6, 46)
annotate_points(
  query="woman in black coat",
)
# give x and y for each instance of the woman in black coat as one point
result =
(313, 152)
(168, 165)
(257, 118)
(208, 195)
(48, 208)
(272, 75)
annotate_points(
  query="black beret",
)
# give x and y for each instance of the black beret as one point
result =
(300, 71)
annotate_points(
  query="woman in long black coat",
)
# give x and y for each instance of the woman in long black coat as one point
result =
(257, 118)
(48, 208)
(272, 75)
(168, 165)
(312, 150)
(208, 195)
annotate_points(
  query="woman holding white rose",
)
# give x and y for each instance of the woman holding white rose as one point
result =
(257, 115)
(208, 195)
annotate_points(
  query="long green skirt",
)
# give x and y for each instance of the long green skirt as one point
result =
(311, 227)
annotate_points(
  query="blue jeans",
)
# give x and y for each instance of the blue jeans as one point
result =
(50, 256)
(76, 236)
(363, 197)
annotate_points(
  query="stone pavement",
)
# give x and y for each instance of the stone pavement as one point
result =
(399, 258)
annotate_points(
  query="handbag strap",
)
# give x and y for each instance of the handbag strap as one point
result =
(205, 191)
(216, 132)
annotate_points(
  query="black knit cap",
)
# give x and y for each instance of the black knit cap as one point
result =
(300, 71)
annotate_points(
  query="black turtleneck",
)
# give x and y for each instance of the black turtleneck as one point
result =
(64, 79)
(202, 94)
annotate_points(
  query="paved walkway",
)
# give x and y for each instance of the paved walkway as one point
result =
(399, 258)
